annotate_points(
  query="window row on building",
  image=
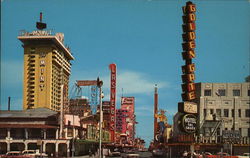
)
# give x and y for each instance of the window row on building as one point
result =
(222, 92)
(218, 112)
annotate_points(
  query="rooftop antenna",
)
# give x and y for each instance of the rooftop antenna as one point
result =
(40, 25)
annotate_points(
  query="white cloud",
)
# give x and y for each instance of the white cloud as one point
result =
(133, 83)
(130, 81)
(145, 108)
(144, 111)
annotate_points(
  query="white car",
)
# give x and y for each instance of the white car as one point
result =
(246, 154)
(132, 155)
(34, 153)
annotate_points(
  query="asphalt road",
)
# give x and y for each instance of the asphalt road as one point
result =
(142, 155)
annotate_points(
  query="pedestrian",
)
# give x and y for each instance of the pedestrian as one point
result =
(90, 153)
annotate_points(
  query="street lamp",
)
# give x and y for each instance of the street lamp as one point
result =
(101, 95)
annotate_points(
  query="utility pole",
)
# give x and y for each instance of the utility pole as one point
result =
(8, 103)
(155, 111)
(99, 85)
(61, 113)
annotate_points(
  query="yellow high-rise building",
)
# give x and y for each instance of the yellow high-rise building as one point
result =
(46, 67)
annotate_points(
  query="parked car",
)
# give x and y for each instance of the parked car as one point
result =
(246, 154)
(14, 154)
(34, 153)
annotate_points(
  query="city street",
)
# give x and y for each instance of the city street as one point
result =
(141, 154)
(124, 155)
(125, 79)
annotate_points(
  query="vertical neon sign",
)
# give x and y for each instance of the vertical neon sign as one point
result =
(93, 100)
(112, 68)
(188, 108)
(188, 54)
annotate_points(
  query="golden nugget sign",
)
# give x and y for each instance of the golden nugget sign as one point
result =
(188, 45)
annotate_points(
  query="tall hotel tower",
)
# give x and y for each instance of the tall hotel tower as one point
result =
(46, 67)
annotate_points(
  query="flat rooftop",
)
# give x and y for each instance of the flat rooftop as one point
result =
(39, 35)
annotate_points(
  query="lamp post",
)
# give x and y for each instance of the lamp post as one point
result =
(99, 85)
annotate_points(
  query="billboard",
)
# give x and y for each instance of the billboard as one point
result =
(128, 104)
(231, 136)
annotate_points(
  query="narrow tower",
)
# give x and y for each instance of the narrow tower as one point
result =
(155, 110)
(46, 67)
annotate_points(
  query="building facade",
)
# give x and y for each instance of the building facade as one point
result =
(79, 106)
(46, 67)
(128, 109)
(32, 129)
(228, 102)
(121, 121)
(224, 110)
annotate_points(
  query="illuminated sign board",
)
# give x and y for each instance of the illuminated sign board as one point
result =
(233, 136)
(93, 100)
(127, 100)
(187, 107)
(188, 45)
(189, 123)
(112, 68)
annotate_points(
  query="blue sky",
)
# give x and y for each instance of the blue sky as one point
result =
(143, 38)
